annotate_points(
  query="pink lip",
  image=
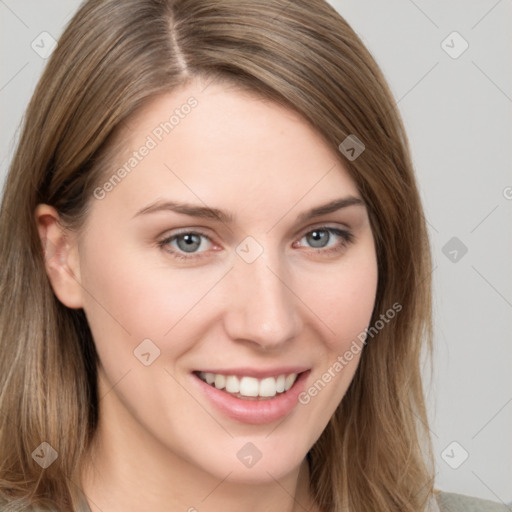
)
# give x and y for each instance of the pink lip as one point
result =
(256, 412)
(258, 373)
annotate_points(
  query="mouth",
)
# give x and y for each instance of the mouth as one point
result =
(250, 388)
(250, 395)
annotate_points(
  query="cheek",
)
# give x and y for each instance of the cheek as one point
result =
(343, 300)
(343, 297)
(344, 303)
(129, 298)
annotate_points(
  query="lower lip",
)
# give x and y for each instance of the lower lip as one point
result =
(256, 412)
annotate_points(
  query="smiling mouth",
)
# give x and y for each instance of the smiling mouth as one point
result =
(250, 388)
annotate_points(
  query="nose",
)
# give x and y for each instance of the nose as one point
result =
(262, 307)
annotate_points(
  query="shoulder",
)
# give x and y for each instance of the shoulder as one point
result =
(451, 502)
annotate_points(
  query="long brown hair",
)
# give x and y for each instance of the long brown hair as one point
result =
(113, 57)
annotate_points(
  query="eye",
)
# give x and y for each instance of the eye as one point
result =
(185, 245)
(320, 237)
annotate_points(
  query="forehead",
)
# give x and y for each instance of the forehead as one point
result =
(222, 145)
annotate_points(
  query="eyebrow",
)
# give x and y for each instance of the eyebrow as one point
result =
(205, 212)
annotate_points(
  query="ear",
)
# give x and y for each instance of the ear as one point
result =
(61, 256)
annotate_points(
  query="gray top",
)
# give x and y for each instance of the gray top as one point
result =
(451, 502)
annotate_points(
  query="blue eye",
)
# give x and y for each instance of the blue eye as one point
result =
(191, 242)
(318, 237)
(185, 245)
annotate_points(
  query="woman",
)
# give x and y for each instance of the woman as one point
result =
(216, 271)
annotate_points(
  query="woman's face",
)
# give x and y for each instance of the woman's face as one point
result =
(262, 290)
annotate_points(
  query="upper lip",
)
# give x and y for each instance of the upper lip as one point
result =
(258, 373)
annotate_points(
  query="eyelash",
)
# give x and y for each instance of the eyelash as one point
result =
(347, 239)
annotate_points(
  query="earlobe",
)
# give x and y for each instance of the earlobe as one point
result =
(60, 253)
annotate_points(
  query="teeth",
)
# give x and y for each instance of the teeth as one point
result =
(280, 383)
(220, 381)
(250, 386)
(268, 387)
(232, 384)
(290, 379)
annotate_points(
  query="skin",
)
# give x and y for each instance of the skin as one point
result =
(161, 445)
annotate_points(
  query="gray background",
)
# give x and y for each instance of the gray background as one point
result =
(457, 112)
